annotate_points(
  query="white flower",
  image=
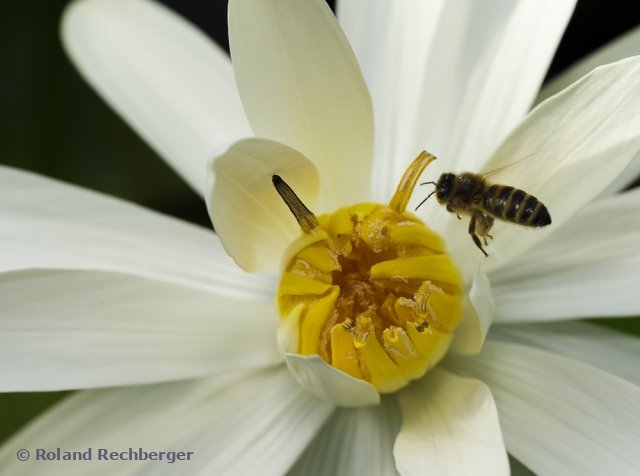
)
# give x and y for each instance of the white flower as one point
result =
(99, 293)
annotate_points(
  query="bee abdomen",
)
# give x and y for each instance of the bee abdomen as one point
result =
(515, 206)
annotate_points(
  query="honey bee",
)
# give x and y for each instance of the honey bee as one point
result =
(472, 194)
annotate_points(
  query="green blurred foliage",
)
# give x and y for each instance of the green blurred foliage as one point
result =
(17, 409)
(629, 325)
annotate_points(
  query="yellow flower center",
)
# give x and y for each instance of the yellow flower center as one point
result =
(371, 288)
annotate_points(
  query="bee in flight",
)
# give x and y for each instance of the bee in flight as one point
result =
(472, 194)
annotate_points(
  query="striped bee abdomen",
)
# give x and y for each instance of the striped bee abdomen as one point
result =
(515, 206)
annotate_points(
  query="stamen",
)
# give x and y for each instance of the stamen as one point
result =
(380, 296)
(408, 182)
(404, 353)
(344, 355)
(306, 219)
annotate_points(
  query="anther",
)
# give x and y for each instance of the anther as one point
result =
(349, 324)
(306, 219)
(421, 325)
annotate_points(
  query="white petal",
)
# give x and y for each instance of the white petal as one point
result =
(625, 46)
(392, 42)
(589, 267)
(252, 220)
(300, 85)
(262, 427)
(576, 143)
(171, 83)
(47, 224)
(330, 384)
(354, 442)
(449, 77)
(560, 416)
(608, 350)
(83, 329)
(622, 47)
(450, 426)
(477, 317)
(237, 424)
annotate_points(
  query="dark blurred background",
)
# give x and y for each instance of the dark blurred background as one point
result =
(52, 123)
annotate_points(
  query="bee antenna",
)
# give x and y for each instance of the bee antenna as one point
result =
(422, 202)
(425, 183)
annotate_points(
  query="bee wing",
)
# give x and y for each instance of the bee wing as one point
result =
(504, 167)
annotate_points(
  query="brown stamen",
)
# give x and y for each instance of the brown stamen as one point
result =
(306, 219)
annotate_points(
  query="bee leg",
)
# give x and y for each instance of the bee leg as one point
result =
(474, 237)
(476, 240)
(450, 209)
(483, 225)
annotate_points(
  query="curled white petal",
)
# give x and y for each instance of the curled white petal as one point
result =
(330, 384)
(450, 427)
(251, 219)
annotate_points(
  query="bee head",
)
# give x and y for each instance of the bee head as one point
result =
(444, 186)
